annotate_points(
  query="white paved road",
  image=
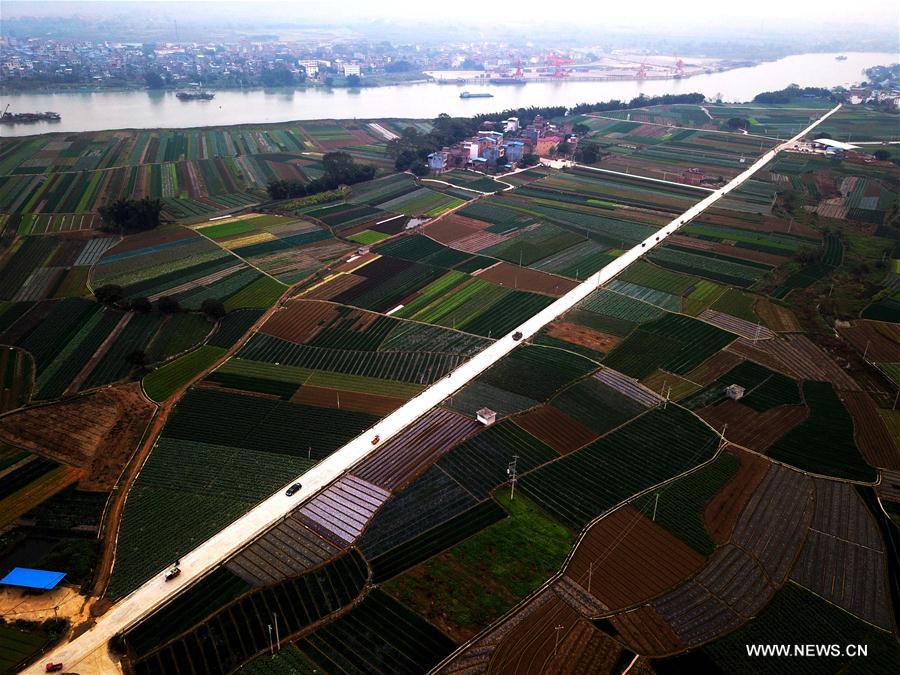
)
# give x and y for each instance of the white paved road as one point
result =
(228, 541)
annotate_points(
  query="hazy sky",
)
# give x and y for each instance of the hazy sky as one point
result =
(658, 13)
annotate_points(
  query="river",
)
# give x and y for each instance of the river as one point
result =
(93, 111)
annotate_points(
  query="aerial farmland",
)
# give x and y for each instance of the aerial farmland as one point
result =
(701, 452)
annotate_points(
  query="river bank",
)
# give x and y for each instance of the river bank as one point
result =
(94, 111)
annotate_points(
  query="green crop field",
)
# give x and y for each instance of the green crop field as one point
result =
(166, 380)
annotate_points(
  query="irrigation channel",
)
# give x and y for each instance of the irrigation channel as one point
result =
(228, 541)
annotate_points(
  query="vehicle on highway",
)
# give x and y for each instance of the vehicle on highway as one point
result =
(294, 489)
(172, 572)
(53, 667)
(375, 440)
(517, 335)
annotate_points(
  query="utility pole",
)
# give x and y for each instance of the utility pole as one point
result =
(511, 472)
(866, 350)
(590, 574)
(722, 441)
(277, 636)
(655, 506)
(271, 646)
(556, 646)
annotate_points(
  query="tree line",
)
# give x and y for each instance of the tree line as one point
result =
(339, 169)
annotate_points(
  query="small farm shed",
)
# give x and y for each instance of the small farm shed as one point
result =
(25, 577)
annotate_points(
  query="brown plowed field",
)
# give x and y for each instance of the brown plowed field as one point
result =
(323, 397)
(776, 317)
(714, 367)
(525, 279)
(582, 336)
(871, 435)
(645, 632)
(355, 264)
(752, 429)
(730, 251)
(723, 510)
(633, 559)
(97, 432)
(889, 488)
(879, 341)
(773, 224)
(585, 650)
(156, 237)
(530, 646)
(333, 287)
(556, 429)
(452, 227)
(299, 321)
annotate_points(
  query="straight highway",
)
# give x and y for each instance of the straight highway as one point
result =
(156, 592)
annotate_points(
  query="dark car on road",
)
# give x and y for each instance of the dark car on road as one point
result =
(294, 489)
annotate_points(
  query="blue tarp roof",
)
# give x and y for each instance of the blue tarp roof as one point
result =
(29, 578)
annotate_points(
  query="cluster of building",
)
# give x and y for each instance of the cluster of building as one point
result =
(501, 146)
(240, 63)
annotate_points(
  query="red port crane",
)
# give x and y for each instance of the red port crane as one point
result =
(642, 71)
(556, 61)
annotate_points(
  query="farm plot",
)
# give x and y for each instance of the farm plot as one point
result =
(797, 616)
(764, 389)
(772, 526)
(749, 428)
(168, 379)
(360, 641)
(679, 507)
(870, 432)
(478, 307)
(523, 278)
(263, 424)
(629, 560)
(843, 559)
(412, 367)
(217, 642)
(674, 342)
(408, 455)
(555, 428)
(797, 356)
(15, 378)
(343, 510)
(471, 584)
(430, 500)
(287, 550)
(29, 480)
(96, 433)
(597, 406)
(717, 267)
(824, 443)
(650, 449)
(479, 464)
(217, 483)
(537, 372)
(731, 589)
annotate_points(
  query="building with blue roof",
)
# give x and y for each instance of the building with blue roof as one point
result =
(25, 577)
